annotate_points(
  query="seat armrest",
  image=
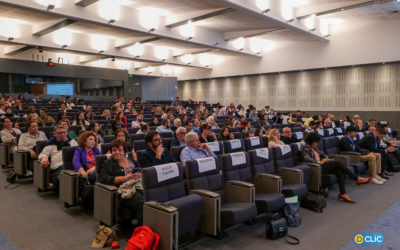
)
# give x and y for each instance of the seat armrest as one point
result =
(203, 192)
(342, 158)
(211, 219)
(241, 183)
(354, 157)
(161, 206)
(314, 184)
(238, 191)
(267, 183)
(163, 220)
(107, 187)
(70, 172)
(291, 175)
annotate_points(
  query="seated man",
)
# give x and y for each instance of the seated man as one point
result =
(388, 139)
(53, 149)
(27, 141)
(370, 143)
(43, 118)
(347, 143)
(287, 137)
(180, 137)
(194, 149)
(155, 154)
(165, 126)
(371, 123)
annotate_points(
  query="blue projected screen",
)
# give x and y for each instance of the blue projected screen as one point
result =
(60, 89)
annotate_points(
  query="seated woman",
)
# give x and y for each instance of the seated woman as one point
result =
(122, 118)
(144, 129)
(225, 134)
(84, 156)
(274, 138)
(115, 125)
(206, 134)
(96, 128)
(122, 135)
(80, 120)
(258, 132)
(118, 170)
(311, 153)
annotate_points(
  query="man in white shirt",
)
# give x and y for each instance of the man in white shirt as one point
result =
(53, 149)
(138, 122)
(27, 141)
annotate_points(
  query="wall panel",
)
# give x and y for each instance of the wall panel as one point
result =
(362, 88)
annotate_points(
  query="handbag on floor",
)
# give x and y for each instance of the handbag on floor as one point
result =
(104, 237)
(314, 202)
(292, 211)
(276, 227)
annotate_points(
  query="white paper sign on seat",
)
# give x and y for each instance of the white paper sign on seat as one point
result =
(167, 171)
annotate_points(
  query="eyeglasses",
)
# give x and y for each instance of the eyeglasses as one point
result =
(63, 132)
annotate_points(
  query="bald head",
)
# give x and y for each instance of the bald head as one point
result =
(287, 132)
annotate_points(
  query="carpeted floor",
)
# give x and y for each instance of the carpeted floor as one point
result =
(32, 220)
(388, 224)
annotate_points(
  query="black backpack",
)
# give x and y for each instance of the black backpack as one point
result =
(314, 202)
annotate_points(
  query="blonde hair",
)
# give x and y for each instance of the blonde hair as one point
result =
(272, 133)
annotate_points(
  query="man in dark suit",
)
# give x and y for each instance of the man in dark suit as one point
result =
(348, 143)
(370, 142)
(287, 136)
(155, 154)
(371, 123)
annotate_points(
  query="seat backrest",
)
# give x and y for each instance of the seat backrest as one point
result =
(99, 161)
(167, 135)
(360, 135)
(139, 144)
(176, 152)
(167, 142)
(237, 135)
(264, 140)
(204, 174)
(252, 143)
(133, 130)
(296, 148)
(163, 182)
(135, 137)
(329, 132)
(331, 145)
(233, 146)
(261, 161)
(76, 129)
(235, 167)
(139, 154)
(104, 147)
(216, 147)
(108, 138)
(67, 156)
(321, 132)
(282, 156)
(40, 146)
(298, 135)
(339, 131)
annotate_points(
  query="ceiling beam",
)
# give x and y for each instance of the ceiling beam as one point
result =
(197, 52)
(272, 16)
(85, 3)
(129, 20)
(83, 45)
(209, 14)
(339, 9)
(53, 27)
(249, 33)
(14, 50)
